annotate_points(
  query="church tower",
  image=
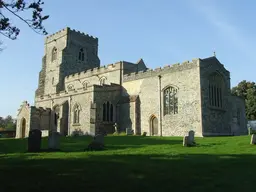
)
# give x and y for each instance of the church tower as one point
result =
(66, 52)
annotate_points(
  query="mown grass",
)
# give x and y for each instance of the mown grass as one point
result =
(131, 163)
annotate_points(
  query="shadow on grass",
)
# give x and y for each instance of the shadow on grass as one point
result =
(197, 172)
(78, 144)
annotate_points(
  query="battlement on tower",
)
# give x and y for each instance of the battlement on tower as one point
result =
(73, 34)
(158, 71)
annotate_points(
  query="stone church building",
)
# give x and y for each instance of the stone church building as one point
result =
(77, 95)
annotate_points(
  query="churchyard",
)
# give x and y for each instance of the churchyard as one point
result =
(130, 163)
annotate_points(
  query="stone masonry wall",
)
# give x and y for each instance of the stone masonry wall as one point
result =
(216, 121)
(183, 76)
(239, 122)
(110, 73)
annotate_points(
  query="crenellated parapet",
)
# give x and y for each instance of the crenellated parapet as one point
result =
(93, 72)
(68, 31)
(158, 71)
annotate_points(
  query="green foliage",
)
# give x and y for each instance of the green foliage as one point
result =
(117, 134)
(131, 164)
(247, 90)
(251, 131)
(8, 123)
(15, 8)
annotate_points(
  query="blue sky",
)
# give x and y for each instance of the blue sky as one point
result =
(161, 32)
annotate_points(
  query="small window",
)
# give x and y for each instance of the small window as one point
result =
(54, 54)
(81, 55)
(70, 87)
(103, 81)
(52, 80)
(85, 84)
(76, 110)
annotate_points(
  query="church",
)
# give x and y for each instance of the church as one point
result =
(76, 94)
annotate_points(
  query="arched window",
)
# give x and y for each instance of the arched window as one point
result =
(70, 87)
(216, 86)
(54, 54)
(81, 55)
(170, 101)
(103, 80)
(108, 112)
(76, 110)
(85, 84)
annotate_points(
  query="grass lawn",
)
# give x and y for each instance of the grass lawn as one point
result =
(131, 163)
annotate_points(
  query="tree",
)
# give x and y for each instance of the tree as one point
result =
(15, 8)
(7, 122)
(247, 90)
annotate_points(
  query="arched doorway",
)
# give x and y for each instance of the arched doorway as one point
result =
(154, 125)
(23, 128)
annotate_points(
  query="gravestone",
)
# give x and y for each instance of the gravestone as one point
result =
(185, 141)
(116, 128)
(191, 137)
(253, 139)
(129, 131)
(97, 144)
(54, 141)
(34, 140)
(99, 139)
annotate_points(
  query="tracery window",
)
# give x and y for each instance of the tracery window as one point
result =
(76, 111)
(54, 54)
(170, 101)
(81, 55)
(216, 86)
(108, 112)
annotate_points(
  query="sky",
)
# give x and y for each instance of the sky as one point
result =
(162, 32)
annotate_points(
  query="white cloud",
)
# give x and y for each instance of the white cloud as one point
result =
(223, 25)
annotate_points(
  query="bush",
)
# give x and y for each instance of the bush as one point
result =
(77, 133)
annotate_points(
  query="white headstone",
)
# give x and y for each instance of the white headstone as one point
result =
(54, 140)
(115, 126)
(253, 139)
(129, 131)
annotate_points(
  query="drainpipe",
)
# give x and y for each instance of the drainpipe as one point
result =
(69, 116)
(160, 104)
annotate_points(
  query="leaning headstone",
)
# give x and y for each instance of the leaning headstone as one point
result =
(191, 137)
(185, 141)
(34, 140)
(54, 141)
(129, 131)
(99, 139)
(253, 139)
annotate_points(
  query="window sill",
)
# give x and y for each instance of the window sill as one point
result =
(76, 124)
(216, 108)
